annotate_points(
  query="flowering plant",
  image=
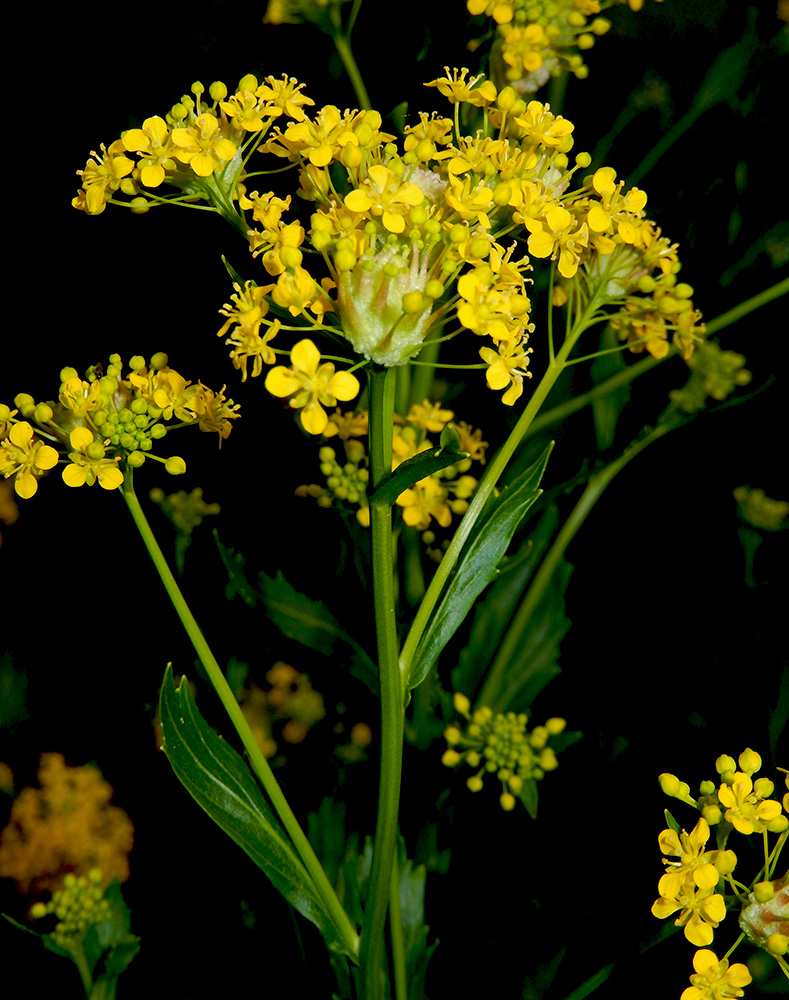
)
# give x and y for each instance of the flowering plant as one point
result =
(431, 292)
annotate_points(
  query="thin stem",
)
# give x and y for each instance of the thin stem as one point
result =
(257, 761)
(494, 693)
(382, 392)
(343, 45)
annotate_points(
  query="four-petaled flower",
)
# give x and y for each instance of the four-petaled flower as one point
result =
(311, 385)
(89, 462)
(745, 809)
(28, 459)
(715, 980)
(694, 865)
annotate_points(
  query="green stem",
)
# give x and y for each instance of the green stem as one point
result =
(627, 375)
(382, 392)
(257, 760)
(398, 940)
(78, 954)
(494, 691)
(343, 45)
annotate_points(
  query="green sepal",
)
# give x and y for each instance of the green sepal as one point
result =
(413, 469)
(672, 823)
(234, 275)
(219, 781)
(478, 567)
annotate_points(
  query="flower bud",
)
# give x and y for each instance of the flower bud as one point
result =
(749, 761)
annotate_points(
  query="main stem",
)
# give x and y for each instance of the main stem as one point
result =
(382, 394)
(258, 762)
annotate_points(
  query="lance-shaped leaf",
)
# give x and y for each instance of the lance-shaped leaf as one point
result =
(478, 566)
(220, 782)
(419, 467)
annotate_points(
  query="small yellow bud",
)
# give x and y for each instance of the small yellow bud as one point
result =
(175, 465)
(451, 758)
(725, 862)
(712, 814)
(725, 763)
(414, 302)
(763, 892)
(585, 41)
(507, 801)
(669, 784)
(749, 761)
(555, 726)
(42, 413)
(461, 703)
(474, 784)
(778, 944)
(248, 82)
(217, 91)
(452, 735)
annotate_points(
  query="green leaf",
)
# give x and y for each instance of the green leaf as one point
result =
(478, 567)
(413, 469)
(492, 616)
(219, 781)
(297, 616)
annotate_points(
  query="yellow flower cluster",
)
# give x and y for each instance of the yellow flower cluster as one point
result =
(433, 498)
(694, 884)
(198, 147)
(104, 421)
(689, 883)
(411, 236)
(500, 744)
(65, 826)
(538, 39)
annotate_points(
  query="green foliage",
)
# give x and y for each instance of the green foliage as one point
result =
(478, 566)
(105, 950)
(219, 781)
(416, 468)
(297, 616)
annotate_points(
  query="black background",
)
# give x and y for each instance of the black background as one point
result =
(671, 660)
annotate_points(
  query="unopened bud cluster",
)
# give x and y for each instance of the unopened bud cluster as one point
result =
(499, 743)
(79, 905)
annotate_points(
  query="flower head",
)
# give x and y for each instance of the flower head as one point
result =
(311, 385)
(714, 980)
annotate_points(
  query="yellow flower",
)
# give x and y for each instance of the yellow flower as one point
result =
(102, 175)
(746, 810)
(715, 980)
(154, 141)
(694, 866)
(457, 89)
(203, 146)
(427, 499)
(311, 385)
(89, 462)
(245, 318)
(20, 455)
(701, 910)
